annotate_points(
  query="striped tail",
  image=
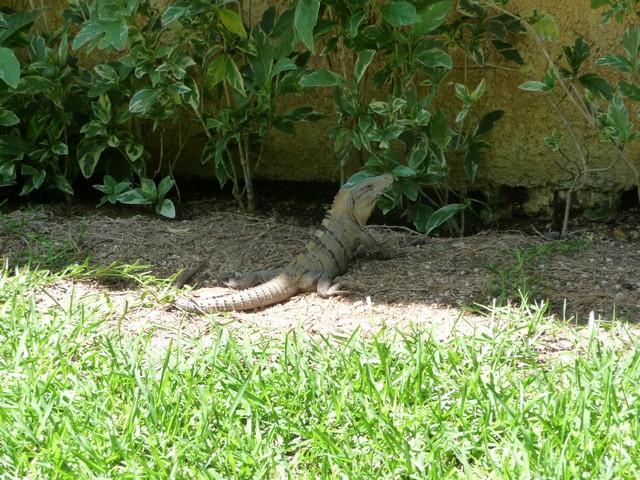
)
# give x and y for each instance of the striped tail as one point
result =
(273, 291)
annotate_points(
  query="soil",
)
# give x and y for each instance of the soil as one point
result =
(441, 282)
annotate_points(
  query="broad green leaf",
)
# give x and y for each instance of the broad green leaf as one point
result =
(8, 118)
(597, 85)
(462, 114)
(178, 88)
(102, 109)
(34, 84)
(232, 21)
(577, 54)
(16, 21)
(94, 129)
(441, 215)
(166, 209)
(63, 184)
(439, 129)
(9, 67)
(373, 163)
(431, 17)
(508, 51)
(472, 159)
(398, 104)
(476, 53)
(631, 43)
(134, 150)
(289, 81)
(545, 26)
(38, 49)
(322, 78)
(618, 62)
(284, 65)
(434, 57)
(418, 155)
(355, 179)
(421, 215)
(354, 23)
(487, 122)
(113, 141)
(362, 63)
(267, 22)
(7, 174)
(164, 186)
(37, 178)
(468, 98)
(108, 184)
(470, 8)
(88, 155)
(233, 76)
(462, 92)
(554, 140)
(134, 197)
(546, 86)
(306, 17)
(437, 170)
(380, 107)
(262, 63)
(617, 118)
(115, 35)
(399, 13)
(479, 90)
(143, 100)
(106, 33)
(174, 12)
(28, 170)
(629, 90)
(12, 147)
(403, 171)
(600, 3)
(533, 86)
(408, 187)
(216, 71)
(60, 148)
(63, 49)
(285, 33)
(148, 189)
(106, 71)
(302, 114)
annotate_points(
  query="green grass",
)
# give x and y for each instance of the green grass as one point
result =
(78, 399)
(523, 277)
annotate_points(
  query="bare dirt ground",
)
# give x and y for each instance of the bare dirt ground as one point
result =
(434, 281)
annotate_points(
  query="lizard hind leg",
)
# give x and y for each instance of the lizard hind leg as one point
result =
(250, 279)
(322, 281)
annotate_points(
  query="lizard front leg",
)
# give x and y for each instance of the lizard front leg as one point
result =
(374, 246)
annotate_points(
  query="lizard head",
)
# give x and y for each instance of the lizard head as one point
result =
(359, 201)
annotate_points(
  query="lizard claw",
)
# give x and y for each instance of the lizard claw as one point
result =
(333, 290)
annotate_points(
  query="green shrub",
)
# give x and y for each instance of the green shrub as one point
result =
(198, 61)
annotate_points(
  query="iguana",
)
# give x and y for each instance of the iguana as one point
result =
(326, 256)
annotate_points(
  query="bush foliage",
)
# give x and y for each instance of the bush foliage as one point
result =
(207, 69)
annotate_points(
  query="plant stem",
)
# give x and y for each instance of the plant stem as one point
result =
(245, 162)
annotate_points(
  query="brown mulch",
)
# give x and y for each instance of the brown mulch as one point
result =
(434, 281)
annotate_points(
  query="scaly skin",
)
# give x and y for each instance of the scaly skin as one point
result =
(326, 256)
